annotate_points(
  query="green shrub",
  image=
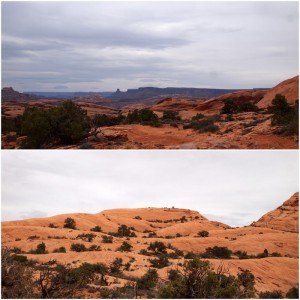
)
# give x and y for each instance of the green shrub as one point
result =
(94, 248)
(158, 247)
(203, 233)
(293, 293)
(104, 120)
(124, 231)
(284, 115)
(217, 252)
(19, 258)
(202, 125)
(107, 239)
(231, 107)
(148, 280)
(170, 115)
(144, 116)
(125, 247)
(70, 223)
(88, 237)
(41, 248)
(198, 117)
(276, 294)
(115, 267)
(78, 247)
(60, 250)
(96, 229)
(161, 261)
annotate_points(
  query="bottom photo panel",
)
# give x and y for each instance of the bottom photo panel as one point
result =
(150, 224)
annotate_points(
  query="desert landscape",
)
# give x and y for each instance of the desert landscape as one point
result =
(152, 253)
(149, 118)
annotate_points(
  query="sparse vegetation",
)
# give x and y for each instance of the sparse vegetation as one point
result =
(70, 223)
(284, 115)
(144, 116)
(107, 239)
(203, 125)
(96, 229)
(217, 252)
(125, 247)
(203, 233)
(60, 250)
(78, 247)
(231, 107)
(87, 237)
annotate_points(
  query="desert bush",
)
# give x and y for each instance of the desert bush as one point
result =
(242, 254)
(16, 278)
(148, 280)
(16, 250)
(96, 229)
(293, 293)
(88, 237)
(176, 254)
(203, 233)
(123, 230)
(107, 239)
(51, 225)
(198, 280)
(70, 223)
(276, 294)
(125, 247)
(60, 250)
(19, 258)
(171, 115)
(137, 218)
(284, 115)
(104, 120)
(144, 116)
(33, 237)
(40, 249)
(157, 247)
(78, 247)
(263, 254)
(217, 252)
(94, 248)
(115, 267)
(202, 125)
(198, 117)
(160, 262)
(190, 255)
(231, 107)
(66, 123)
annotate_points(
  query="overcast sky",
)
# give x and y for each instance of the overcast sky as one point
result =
(234, 187)
(102, 46)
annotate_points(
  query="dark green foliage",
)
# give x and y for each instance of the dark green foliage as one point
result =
(171, 115)
(115, 267)
(19, 258)
(276, 254)
(144, 116)
(176, 254)
(70, 223)
(202, 125)
(161, 261)
(87, 237)
(242, 254)
(198, 280)
(66, 123)
(276, 294)
(11, 124)
(16, 250)
(203, 233)
(16, 278)
(293, 293)
(51, 225)
(104, 120)
(125, 247)
(78, 247)
(231, 107)
(217, 252)
(137, 218)
(191, 255)
(158, 247)
(284, 115)
(94, 248)
(123, 230)
(33, 237)
(107, 239)
(148, 280)
(198, 117)
(96, 229)
(41, 248)
(36, 126)
(264, 254)
(69, 122)
(60, 250)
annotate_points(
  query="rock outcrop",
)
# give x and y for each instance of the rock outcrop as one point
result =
(288, 88)
(285, 217)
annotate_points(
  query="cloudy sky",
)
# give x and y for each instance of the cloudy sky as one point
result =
(234, 187)
(102, 46)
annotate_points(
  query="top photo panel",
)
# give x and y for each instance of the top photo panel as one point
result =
(150, 75)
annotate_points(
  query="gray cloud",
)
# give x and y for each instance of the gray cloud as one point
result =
(109, 45)
(237, 187)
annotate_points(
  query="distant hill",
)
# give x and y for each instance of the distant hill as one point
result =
(144, 93)
(68, 95)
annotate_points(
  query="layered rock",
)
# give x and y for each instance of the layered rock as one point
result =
(285, 217)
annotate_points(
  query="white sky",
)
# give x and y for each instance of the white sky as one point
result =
(102, 46)
(234, 187)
